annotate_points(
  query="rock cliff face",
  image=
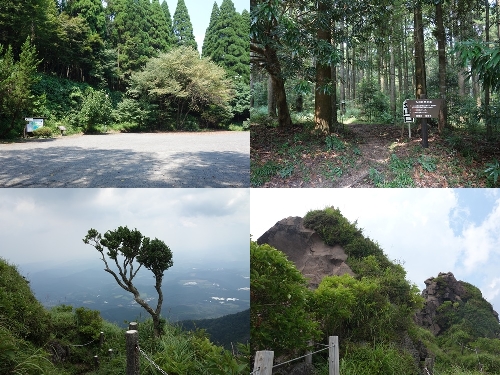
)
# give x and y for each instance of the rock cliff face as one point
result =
(438, 290)
(306, 250)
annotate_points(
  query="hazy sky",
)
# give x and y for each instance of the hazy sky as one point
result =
(197, 224)
(430, 230)
(199, 14)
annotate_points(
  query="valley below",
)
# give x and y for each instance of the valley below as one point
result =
(190, 291)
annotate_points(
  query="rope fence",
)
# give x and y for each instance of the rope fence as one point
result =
(83, 344)
(302, 356)
(480, 365)
(151, 361)
(263, 364)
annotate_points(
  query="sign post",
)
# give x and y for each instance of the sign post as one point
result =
(424, 108)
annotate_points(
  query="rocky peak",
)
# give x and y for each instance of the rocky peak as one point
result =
(306, 250)
(446, 289)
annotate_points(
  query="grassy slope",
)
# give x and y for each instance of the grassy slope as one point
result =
(29, 335)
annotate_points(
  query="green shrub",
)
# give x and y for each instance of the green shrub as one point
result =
(44, 131)
(260, 116)
(279, 317)
(374, 104)
(492, 171)
(335, 229)
(95, 111)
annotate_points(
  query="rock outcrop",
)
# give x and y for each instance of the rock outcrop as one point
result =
(439, 290)
(306, 250)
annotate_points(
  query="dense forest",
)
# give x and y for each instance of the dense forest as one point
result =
(92, 65)
(379, 316)
(327, 67)
(225, 330)
(65, 340)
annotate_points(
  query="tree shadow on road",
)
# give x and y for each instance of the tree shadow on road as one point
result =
(96, 168)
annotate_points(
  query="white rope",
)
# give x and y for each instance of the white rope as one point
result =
(151, 361)
(84, 344)
(306, 355)
(255, 371)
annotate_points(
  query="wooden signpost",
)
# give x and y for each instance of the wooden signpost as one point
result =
(424, 108)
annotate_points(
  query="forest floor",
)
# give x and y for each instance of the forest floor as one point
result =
(367, 155)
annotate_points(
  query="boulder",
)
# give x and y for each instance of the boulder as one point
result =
(304, 247)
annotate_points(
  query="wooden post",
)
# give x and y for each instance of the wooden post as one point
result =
(96, 362)
(110, 352)
(101, 339)
(132, 347)
(333, 355)
(309, 358)
(425, 137)
(263, 364)
(132, 326)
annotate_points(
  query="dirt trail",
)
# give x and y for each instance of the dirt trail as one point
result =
(373, 141)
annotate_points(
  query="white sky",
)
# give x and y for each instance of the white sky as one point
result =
(199, 14)
(197, 224)
(430, 230)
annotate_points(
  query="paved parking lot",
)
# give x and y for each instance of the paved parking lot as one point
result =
(162, 160)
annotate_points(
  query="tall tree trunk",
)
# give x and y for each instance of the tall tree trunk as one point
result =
(420, 81)
(406, 68)
(343, 76)
(489, 128)
(380, 73)
(392, 76)
(273, 67)
(252, 84)
(335, 119)
(353, 76)
(400, 67)
(498, 19)
(322, 97)
(348, 75)
(441, 40)
(271, 98)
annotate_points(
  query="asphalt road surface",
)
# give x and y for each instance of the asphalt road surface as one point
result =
(161, 160)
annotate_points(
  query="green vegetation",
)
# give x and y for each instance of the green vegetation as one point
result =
(372, 312)
(219, 329)
(354, 77)
(34, 341)
(185, 85)
(182, 27)
(17, 78)
(280, 318)
(78, 64)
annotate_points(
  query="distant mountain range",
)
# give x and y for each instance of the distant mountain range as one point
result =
(191, 291)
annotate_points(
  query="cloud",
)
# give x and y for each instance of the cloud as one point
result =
(481, 241)
(49, 224)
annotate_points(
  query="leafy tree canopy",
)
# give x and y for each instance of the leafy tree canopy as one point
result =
(182, 27)
(126, 248)
(181, 80)
(484, 61)
(16, 81)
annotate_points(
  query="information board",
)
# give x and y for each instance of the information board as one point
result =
(33, 124)
(424, 108)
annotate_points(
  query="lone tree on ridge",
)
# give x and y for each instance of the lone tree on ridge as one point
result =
(132, 246)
